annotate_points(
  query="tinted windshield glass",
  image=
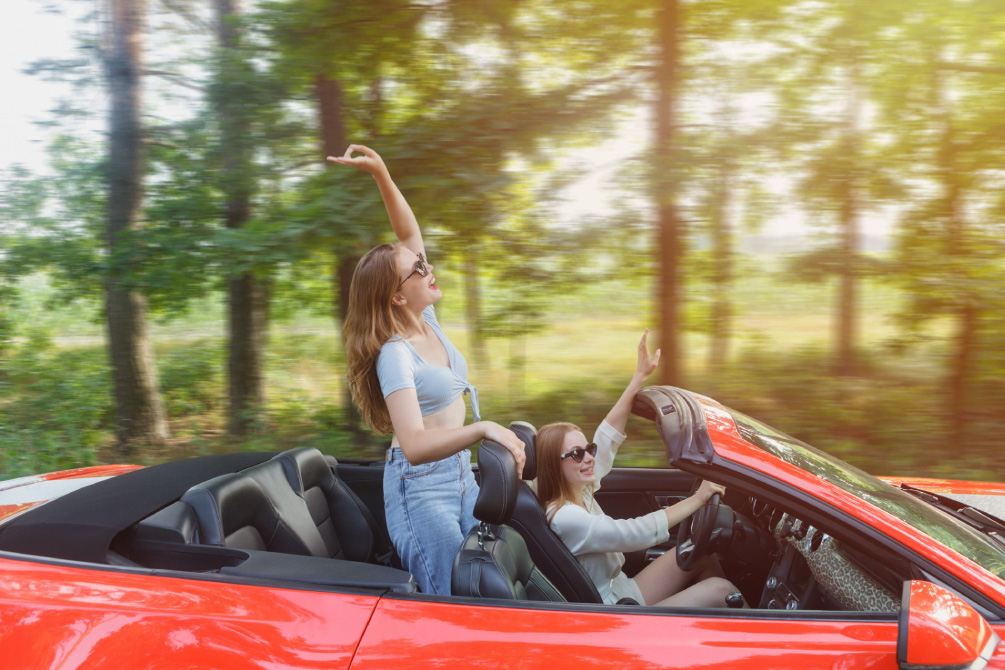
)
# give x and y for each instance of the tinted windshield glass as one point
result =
(929, 520)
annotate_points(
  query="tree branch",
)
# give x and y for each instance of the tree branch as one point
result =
(185, 13)
(175, 78)
(159, 143)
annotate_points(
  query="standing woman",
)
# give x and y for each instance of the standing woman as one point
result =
(408, 379)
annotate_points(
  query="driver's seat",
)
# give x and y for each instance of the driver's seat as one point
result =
(493, 561)
(547, 550)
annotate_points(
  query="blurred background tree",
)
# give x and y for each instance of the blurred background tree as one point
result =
(803, 199)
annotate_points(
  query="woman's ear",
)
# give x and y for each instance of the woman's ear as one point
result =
(398, 299)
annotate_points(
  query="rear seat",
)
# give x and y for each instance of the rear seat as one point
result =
(255, 509)
(293, 504)
(336, 511)
(283, 520)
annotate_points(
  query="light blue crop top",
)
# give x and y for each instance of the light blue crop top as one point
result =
(399, 366)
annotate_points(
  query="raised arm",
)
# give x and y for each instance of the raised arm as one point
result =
(402, 219)
(618, 416)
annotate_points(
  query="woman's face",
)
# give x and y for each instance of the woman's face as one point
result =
(416, 289)
(577, 474)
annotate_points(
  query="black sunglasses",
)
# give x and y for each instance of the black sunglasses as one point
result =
(579, 453)
(420, 269)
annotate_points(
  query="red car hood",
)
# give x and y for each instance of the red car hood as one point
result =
(20, 495)
(986, 496)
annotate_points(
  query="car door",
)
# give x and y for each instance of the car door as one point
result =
(446, 633)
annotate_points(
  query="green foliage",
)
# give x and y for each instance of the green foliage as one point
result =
(55, 408)
(192, 377)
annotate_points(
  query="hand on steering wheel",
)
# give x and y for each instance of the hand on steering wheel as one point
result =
(697, 536)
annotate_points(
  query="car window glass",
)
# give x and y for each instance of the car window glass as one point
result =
(931, 521)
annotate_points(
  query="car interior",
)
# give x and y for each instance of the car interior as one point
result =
(303, 518)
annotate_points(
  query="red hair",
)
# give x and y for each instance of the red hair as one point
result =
(553, 490)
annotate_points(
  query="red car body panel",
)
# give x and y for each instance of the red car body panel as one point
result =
(54, 616)
(949, 485)
(406, 633)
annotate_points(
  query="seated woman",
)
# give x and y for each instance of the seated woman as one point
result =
(569, 474)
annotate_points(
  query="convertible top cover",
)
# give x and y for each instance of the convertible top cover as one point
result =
(81, 525)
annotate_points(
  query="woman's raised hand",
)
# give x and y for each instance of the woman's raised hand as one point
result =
(507, 438)
(370, 161)
(647, 364)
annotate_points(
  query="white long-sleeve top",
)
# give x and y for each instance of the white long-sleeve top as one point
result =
(597, 540)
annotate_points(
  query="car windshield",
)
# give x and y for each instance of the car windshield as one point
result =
(933, 522)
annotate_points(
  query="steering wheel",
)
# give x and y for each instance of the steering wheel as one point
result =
(695, 536)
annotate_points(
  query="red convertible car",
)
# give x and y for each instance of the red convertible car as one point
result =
(263, 560)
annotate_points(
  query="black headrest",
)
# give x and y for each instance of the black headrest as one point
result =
(305, 468)
(528, 434)
(497, 486)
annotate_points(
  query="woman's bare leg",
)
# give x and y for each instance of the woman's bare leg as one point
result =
(709, 592)
(662, 580)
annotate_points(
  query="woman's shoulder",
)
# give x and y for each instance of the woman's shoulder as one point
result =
(394, 352)
(567, 512)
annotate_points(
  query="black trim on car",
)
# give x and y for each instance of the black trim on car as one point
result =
(902, 624)
(275, 583)
(725, 613)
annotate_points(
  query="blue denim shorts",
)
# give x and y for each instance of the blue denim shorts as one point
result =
(429, 510)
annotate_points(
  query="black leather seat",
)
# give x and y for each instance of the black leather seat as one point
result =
(254, 509)
(547, 550)
(493, 561)
(346, 525)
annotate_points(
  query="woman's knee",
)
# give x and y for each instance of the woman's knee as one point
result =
(716, 589)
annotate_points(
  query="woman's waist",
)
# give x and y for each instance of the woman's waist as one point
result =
(448, 418)
(394, 454)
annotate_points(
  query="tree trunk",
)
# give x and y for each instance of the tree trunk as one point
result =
(966, 313)
(664, 191)
(247, 297)
(722, 257)
(473, 311)
(333, 143)
(139, 412)
(846, 360)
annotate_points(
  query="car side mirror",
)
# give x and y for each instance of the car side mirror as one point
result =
(939, 630)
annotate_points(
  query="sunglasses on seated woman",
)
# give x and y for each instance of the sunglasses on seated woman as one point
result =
(579, 453)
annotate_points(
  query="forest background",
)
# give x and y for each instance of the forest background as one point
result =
(173, 282)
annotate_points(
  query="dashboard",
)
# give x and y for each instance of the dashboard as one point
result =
(809, 568)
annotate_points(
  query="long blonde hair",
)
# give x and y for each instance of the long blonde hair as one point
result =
(370, 321)
(553, 491)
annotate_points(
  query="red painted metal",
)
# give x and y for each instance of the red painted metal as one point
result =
(7, 511)
(66, 617)
(950, 485)
(445, 635)
(942, 629)
(92, 471)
